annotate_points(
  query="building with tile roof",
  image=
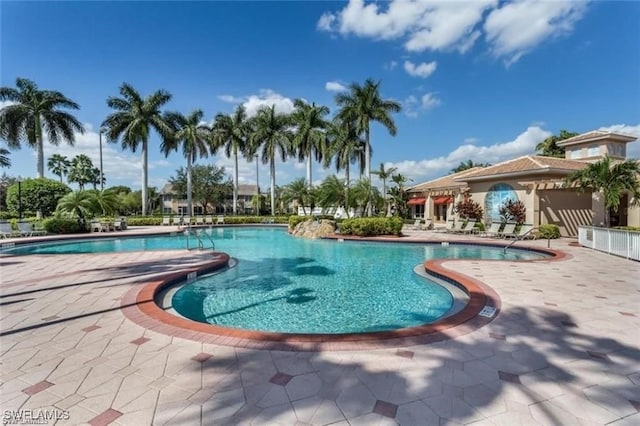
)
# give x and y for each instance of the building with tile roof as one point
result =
(173, 204)
(537, 181)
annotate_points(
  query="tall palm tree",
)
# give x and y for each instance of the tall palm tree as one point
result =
(364, 104)
(466, 165)
(105, 202)
(331, 193)
(231, 132)
(194, 137)
(271, 134)
(549, 147)
(611, 179)
(5, 161)
(95, 178)
(58, 165)
(309, 135)
(133, 120)
(298, 192)
(81, 171)
(384, 174)
(34, 112)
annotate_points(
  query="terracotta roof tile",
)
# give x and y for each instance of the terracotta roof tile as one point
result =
(443, 182)
(528, 163)
(595, 135)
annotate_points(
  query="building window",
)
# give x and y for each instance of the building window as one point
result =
(419, 212)
(575, 153)
(496, 196)
(593, 151)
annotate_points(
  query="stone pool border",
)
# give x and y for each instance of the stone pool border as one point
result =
(139, 305)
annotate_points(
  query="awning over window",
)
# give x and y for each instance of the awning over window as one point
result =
(415, 201)
(442, 200)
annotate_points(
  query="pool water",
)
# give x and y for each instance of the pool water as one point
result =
(285, 284)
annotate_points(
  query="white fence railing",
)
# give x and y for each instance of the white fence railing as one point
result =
(612, 241)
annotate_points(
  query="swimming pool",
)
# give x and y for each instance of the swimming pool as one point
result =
(289, 285)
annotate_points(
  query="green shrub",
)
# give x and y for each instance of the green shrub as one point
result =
(144, 221)
(37, 195)
(62, 225)
(479, 226)
(549, 231)
(295, 220)
(628, 228)
(371, 226)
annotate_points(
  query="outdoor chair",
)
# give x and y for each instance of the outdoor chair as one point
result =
(186, 220)
(208, 219)
(6, 231)
(428, 224)
(199, 220)
(177, 220)
(417, 225)
(220, 220)
(508, 231)
(457, 227)
(166, 220)
(26, 229)
(469, 227)
(493, 231)
(526, 232)
(448, 227)
(96, 226)
(117, 225)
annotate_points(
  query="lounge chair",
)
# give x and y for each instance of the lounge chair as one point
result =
(508, 231)
(117, 225)
(6, 231)
(220, 220)
(428, 224)
(493, 231)
(199, 220)
(208, 219)
(448, 227)
(186, 220)
(26, 229)
(457, 227)
(177, 220)
(525, 232)
(166, 220)
(417, 225)
(469, 227)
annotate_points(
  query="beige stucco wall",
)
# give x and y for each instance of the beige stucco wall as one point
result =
(478, 191)
(566, 208)
(634, 216)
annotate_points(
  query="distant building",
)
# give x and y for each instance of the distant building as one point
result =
(172, 204)
(535, 180)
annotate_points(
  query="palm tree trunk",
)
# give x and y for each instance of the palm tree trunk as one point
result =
(309, 169)
(39, 148)
(60, 177)
(272, 171)
(346, 190)
(367, 160)
(189, 186)
(145, 178)
(235, 180)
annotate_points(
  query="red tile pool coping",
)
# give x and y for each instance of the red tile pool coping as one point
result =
(139, 306)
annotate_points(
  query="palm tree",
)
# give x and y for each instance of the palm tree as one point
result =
(81, 171)
(5, 161)
(399, 193)
(95, 178)
(133, 120)
(365, 195)
(105, 202)
(78, 204)
(384, 174)
(271, 133)
(331, 193)
(363, 104)
(612, 180)
(231, 132)
(466, 165)
(309, 137)
(549, 147)
(58, 165)
(194, 137)
(298, 192)
(34, 112)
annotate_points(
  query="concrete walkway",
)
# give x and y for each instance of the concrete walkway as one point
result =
(565, 349)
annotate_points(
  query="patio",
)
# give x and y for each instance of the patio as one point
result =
(563, 350)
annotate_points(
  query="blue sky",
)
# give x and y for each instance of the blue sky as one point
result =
(482, 80)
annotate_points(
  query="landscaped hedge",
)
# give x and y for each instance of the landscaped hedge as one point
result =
(295, 220)
(371, 226)
(144, 221)
(62, 225)
(549, 231)
(628, 228)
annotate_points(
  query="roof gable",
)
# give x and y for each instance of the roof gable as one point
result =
(527, 164)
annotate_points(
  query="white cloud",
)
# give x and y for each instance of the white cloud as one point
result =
(422, 70)
(409, 106)
(334, 86)
(512, 28)
(426, 169)
(429, 100)
(633, 148)
(471, 141)
(231, 99)
(390, 65)
(6, 103)
(515, 28)
(267, 97)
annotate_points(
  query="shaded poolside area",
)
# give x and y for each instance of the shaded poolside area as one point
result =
(563, 350)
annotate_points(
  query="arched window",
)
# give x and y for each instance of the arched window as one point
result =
(496, 196)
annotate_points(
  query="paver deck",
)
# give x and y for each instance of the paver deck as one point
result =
(565, 349)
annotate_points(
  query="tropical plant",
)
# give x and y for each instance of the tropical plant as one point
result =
(132, 122)
(362, 105)
(58, 165)
(513, 211)
(95, 178)
(297, 192)
(309, 137)
(549, 231)
(5, 161)
(37, 195)
(103, 202)
(271, 135)
(193, 136)
(384, 174)
(31, 113)
(77, 204)
(399, 195)
(468, 208)
(81, 171)
(331, 193)
(364, 195)
(466, 165)
(209, 183)
(232, 132)
(549, 147)
(612, 180)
